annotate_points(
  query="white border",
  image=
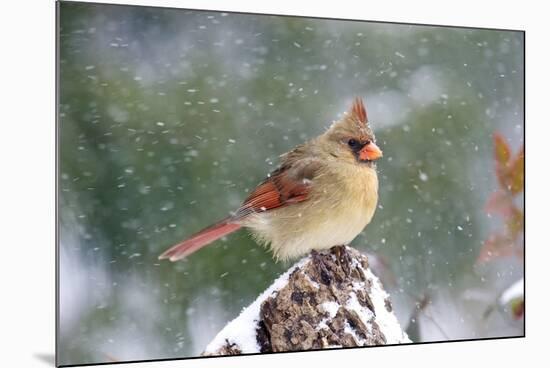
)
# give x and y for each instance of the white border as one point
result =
(27, 184)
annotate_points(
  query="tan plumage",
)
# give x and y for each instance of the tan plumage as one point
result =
(323, 194)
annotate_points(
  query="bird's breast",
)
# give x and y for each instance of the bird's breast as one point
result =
(351, 196)
(341, 203)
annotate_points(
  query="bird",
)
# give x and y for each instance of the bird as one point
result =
(323, 194)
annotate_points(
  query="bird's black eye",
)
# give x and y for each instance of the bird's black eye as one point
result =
(354, 143)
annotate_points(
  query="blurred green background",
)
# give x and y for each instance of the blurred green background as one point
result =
(169, 117)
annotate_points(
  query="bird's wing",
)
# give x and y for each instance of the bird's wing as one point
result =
(288, 184)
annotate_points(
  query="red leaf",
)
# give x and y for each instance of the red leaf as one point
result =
(514, 222)
(518, 308)
(502, 150)
(500, 203)
(510, 174)
(516, 174)
(497, 245)
(502, 157)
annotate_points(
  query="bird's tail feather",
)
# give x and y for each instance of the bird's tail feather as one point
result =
(199, 240)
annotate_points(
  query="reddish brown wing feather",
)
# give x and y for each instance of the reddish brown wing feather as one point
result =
(286, 185)
(279, 189)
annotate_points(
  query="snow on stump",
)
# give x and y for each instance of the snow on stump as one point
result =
(328, 299)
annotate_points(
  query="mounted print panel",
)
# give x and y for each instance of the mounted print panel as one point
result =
(234, 183)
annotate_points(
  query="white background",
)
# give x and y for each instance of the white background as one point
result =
(27, 187)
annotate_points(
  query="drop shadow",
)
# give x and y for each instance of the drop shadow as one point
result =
(46, 358)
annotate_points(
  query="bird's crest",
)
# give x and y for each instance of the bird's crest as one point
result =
(358, 111)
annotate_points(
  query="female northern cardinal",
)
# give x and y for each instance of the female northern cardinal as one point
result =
(323, 194)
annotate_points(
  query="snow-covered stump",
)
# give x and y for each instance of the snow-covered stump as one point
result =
(327, 299)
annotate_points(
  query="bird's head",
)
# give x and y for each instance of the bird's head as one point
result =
(351, 139)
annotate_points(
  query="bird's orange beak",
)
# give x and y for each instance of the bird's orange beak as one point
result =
(370, 152)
